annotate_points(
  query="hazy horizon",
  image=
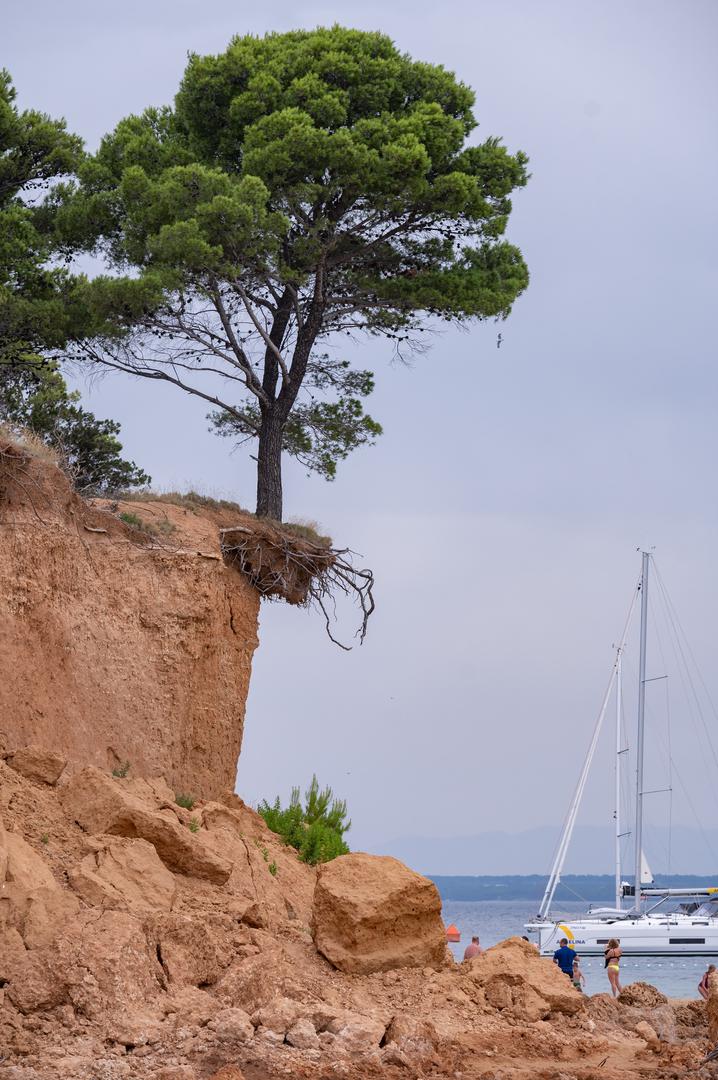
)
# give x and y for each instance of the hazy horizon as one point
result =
(502, 508)
(531, 851)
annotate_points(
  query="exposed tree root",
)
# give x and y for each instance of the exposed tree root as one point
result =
(281, 565)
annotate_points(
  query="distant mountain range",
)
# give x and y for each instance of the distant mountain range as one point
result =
(573, 889)
(692, 851)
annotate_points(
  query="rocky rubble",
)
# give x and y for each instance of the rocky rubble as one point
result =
(513, 979)
(139, 939)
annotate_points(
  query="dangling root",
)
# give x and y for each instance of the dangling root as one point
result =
(344, 577)
(284, 566)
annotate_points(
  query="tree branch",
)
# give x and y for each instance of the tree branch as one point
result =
(149, 372)
(253, 382)
(263, 333)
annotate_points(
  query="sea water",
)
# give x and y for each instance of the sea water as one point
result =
(494, 920)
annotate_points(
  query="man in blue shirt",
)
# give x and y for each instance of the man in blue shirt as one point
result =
(565, 957)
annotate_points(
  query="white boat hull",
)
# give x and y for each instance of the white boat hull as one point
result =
(646, 935)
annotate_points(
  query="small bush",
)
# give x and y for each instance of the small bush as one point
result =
(122, 770)
(165, 527)
(45, 838)
(193, 825)
(131, 519)
(263, 849)
(316, 830)
(273, 868)
(187, 801)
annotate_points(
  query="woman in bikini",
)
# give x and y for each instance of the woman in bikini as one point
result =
(704, 984)
(613, 956)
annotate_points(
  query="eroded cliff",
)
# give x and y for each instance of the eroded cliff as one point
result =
(117, 644)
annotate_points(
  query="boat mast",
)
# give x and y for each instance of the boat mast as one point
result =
(641, 730)
(617, 812)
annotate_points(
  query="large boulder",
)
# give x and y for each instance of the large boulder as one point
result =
(371, 913)
(357, 1034)
(517, 981)
(125, 874)
(22, 865)
(232, 1026)
(303, 1035)
(44, 914)
(32, 902)
(415, 1037)
(102, 964)
(237, 833)
(35, 763)
(253, 981)
(194, 949)
(101, 804)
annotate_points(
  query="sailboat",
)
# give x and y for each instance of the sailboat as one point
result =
(659, 922)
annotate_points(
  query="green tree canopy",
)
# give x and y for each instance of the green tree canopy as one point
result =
(305, 185)
(36, 307)
(34, 395)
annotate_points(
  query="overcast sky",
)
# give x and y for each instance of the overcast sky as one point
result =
(502, 508)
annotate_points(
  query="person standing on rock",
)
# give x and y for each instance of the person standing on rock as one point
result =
(564, 957)
(612, 957)
(472, 950)
(703, 987)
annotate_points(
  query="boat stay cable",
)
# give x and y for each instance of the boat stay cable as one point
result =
(691, 805)
(682, 651)
(666, 753)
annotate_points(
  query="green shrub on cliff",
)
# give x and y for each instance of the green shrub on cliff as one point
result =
(316, 829)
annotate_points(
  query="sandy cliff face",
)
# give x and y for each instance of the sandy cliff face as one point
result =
(117, 645)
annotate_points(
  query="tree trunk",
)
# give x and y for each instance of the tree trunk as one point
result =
(269, 466)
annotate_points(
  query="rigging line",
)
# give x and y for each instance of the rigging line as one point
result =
(686, 672)
(560, 857)
(578, 896)
(670, 607)
(659, 641)
(690, 650)
(699, 823)
(670, 777)
(556, 850)
(686, 682)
